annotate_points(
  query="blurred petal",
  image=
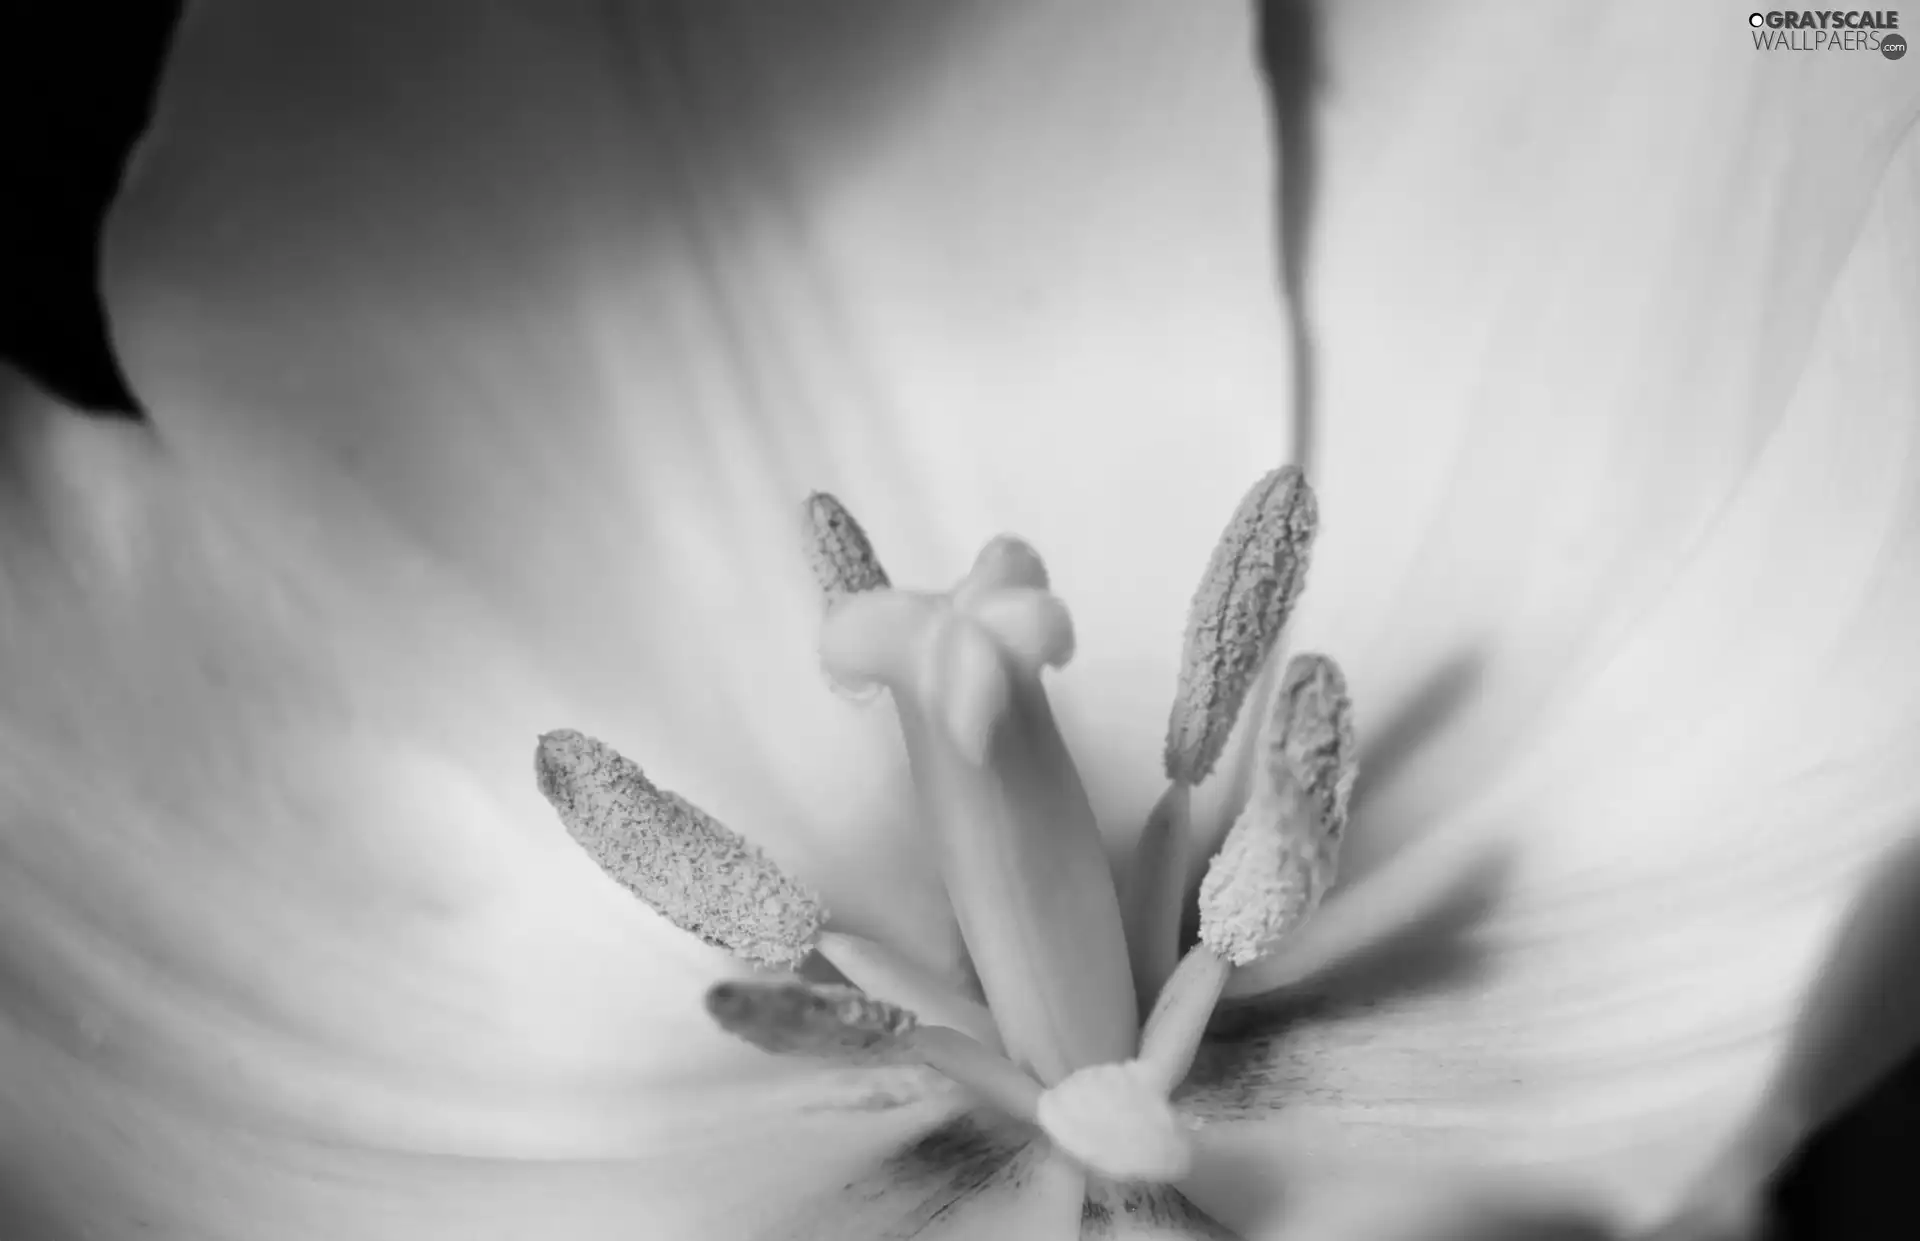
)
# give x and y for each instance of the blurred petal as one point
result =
(1689, 831)
(1307, 1196)
(580, 300)
(281, 958)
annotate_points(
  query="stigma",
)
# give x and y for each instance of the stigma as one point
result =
(1083, 1007)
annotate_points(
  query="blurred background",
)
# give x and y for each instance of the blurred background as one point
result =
(74, 93)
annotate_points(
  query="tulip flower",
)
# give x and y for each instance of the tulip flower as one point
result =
(493, 353)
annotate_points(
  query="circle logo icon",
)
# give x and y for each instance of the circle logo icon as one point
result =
(1756, 20)
(1893, 47)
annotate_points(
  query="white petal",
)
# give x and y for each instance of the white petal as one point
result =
(290, 952)
(581, 302)
(1568, 272)
(1313, 1194)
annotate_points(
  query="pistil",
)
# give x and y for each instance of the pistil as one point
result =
(1019, 850)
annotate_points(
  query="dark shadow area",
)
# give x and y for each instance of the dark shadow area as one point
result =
(1429, 947)
(1385, 751)
(1854, 1181)
(23, 1219)
(76, 91)
(1244, 1068)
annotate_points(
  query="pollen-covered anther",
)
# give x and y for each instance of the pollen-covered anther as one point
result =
(1268, 876)
(692, 870)
(1312, 735)
(838, 550)
(1251, 583)
(1279, 857)
(1114, 1119)
(788, 1017)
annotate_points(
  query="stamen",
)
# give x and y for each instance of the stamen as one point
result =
(1115, 1120)
(692, 870)
(993, 1077)
(791, 1017)
(879, 970)
(1277, 862)
(1156, 889)
(838, 550)
(788, 1017)
(1171, 1038)
(1279, 857)
(1251, 583)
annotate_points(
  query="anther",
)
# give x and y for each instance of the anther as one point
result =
(692, 870)
(791, 1017)
(1279, 857)
(1315, 737)
(788, 1017)
(838, 550)
(879, 970)
(1243, 601)
(1270, 873)
(1114, 1120)
(1251, 582)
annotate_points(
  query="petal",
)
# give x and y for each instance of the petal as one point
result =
(1567, 276)
(1311, 1197)
(1686, 838)
(581, 302)
(288, 952)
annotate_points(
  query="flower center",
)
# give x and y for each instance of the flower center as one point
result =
(1064, 957)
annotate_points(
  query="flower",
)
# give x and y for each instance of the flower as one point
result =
(488, 351)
